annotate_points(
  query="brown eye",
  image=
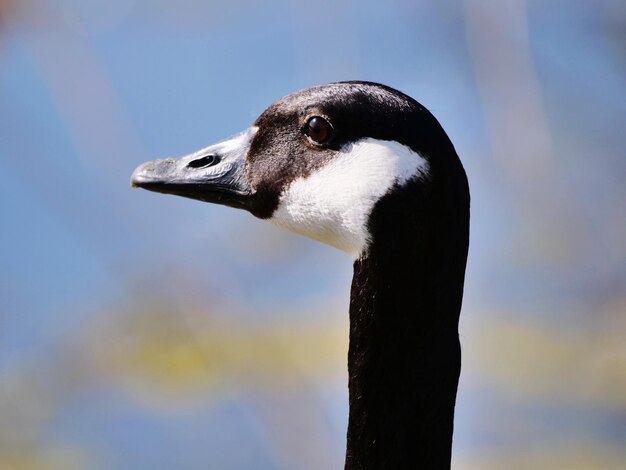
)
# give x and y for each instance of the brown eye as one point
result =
(318, 129)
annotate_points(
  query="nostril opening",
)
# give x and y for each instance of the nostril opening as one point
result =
(204, 161)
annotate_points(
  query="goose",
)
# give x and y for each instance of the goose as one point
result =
(367, 169)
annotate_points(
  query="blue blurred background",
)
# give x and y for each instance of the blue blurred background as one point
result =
(139, 331)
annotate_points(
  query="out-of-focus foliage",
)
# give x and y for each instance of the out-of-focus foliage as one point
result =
(141, 331)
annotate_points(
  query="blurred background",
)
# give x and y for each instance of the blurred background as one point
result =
(139, 331)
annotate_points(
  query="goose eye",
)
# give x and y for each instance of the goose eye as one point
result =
(318, 129)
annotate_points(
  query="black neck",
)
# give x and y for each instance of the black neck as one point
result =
(404, 358)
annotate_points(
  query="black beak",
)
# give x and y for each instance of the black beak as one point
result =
(214, 174)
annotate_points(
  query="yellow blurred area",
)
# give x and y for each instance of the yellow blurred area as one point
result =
(554, 456)
(37, 458)
(158, 354)
(531, 360)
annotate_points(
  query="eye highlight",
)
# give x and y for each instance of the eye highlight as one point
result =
(318, 130)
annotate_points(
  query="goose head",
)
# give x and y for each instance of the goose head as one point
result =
(316, 162)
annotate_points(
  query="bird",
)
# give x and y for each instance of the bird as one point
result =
(367, 169)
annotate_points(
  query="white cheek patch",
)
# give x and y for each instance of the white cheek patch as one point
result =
(334, 203)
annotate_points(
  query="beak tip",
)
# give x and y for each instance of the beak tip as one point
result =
(139, 177)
